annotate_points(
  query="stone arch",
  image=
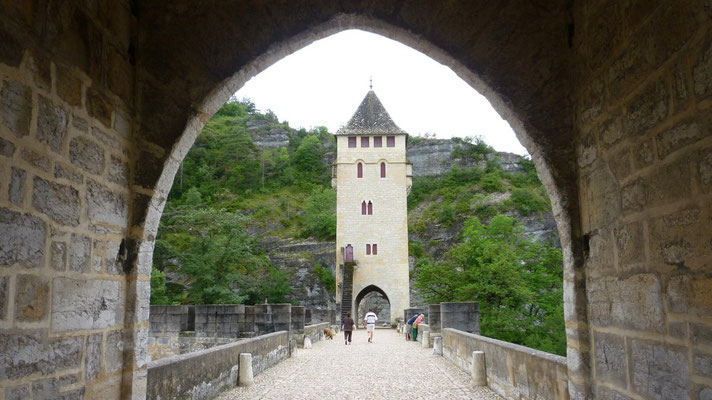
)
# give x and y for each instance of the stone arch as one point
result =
(365, 292)
(547, 139)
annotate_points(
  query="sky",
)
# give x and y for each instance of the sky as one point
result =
(323, 84)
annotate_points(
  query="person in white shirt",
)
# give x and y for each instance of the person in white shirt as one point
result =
(370, 320)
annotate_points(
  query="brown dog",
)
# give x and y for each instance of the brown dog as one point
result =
(329, 333)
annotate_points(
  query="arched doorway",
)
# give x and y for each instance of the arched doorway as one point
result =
(372, 298)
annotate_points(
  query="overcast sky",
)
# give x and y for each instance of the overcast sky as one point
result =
(324, 83)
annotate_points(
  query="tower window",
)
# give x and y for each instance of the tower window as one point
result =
(352, 141)
(378, 141)
(368, 249)
(374, 249)
(370, 208)
(383, 170)
(391, 141)
(363, 208)
(364, 141)
(359, 170)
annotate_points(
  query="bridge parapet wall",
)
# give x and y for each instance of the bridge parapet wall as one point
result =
(513, 371)
(204, 374)
(315, 332)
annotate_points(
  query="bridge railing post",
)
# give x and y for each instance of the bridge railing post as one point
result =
(479, 373)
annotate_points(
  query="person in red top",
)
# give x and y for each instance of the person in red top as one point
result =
(348, 325)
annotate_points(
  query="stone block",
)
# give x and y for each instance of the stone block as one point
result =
(80, 124)
(79, 253)
(23, 239)
(68, 173)
(600, 257)
(35, 159)
(52, 123)
(16, 107)
(114, 351)
(69, 87)
(4, 296)
(30, 352)
(87, 155)
(679, 136)
(643, 155)
(11, 50)
(679, 239)
(86, 304)
(111, 260)
(7, 148)
(58, 256)
(92, 361)
(59, 202)
(148, 169)
(99, 106)
(704, 170)
(57, 388)
(610, 358)
(608, 394)
(690, 294)
(647, 110)
(630, 243)
(659, 371)
(17, 186)
(621, 164)
(635, 302)
(17, 393)
(604, 197)
(611, 132)
(703, 364)
(31, 298)
(701, 334)
(118, 171)
(668, 183)
(106, 207)
(702, 71)
(104, 138)
(586, 151)
(704, 392)
(681, 95)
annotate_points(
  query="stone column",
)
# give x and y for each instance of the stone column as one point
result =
(245, 376)
(282, 317)
(461, 316)
(297, 324)
(438, 345)
(479, 372)
(434, 318)
(426, 339)
(263, 319)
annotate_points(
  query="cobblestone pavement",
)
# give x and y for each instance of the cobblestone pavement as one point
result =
(389, 368)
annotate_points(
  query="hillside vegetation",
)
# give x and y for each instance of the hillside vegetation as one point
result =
(250, 180)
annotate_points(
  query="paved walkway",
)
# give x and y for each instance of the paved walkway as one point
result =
(389, 368)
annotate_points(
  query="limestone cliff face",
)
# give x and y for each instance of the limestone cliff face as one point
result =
(433, 157)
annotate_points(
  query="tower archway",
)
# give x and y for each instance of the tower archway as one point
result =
(373, 298)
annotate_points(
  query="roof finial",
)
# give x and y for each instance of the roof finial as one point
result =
(370, 82)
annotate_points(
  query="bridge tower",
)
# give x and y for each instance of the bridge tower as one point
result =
(372, 178)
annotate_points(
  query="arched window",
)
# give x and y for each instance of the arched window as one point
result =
(363, 208)
(370, 208)
(383, 170)
(368, 249)
(374, 249)
(359, 170)
(349, 256)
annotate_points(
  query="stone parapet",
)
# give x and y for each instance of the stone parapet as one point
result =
(513, 371)
(462, 316)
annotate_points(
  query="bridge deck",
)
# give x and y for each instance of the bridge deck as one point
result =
(389, 368)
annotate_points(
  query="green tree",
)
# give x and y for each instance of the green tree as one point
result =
(221, 262)
(517, 283)
(320, 214)
(307, 161)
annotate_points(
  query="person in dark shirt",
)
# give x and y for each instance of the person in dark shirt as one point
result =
(348, 325)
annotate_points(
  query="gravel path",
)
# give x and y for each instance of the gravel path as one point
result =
(389, 368)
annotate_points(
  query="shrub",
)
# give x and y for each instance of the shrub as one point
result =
(527, 201)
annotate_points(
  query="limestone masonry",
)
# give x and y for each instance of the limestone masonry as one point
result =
(372, 177)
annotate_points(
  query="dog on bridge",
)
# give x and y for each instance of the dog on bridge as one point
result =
(329, 333)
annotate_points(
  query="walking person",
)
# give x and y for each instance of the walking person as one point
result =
(370, 320)
(348, 325)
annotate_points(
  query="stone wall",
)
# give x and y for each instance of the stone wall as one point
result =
(204, 374)
(643, 120)
(315, 332)
(73, 305)
(514, 372)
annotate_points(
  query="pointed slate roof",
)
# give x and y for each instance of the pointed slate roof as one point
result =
(371, 118)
